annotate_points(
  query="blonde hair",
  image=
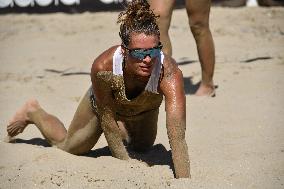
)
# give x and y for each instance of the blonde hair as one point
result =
(138, 18)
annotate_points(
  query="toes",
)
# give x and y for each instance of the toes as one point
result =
(16, 128)
(12, 131)
(10, 128)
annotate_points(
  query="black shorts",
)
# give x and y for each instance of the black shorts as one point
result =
(92, 98)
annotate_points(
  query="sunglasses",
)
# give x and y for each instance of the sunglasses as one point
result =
(142, 53)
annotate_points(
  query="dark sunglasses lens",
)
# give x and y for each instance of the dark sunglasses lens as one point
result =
(141, 54)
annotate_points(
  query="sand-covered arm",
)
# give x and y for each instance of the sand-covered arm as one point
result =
(111, 132)
(175, 102)
(176, 133)
(105, 103)
(101, 74)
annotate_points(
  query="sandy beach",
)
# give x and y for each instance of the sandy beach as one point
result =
(235, 140)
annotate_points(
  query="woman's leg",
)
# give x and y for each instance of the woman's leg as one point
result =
(198, 13)
(81, 136)
(84, 130)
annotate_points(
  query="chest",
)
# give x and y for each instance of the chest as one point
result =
(136, 102)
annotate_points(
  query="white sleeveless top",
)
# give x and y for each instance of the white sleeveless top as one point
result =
(152, 85)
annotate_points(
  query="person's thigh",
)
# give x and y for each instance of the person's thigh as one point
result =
(84, 130)
(143, 130)
(198, 12)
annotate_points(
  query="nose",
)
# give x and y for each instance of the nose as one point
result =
(147, 59)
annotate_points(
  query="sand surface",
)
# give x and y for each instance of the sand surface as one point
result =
(236, 140)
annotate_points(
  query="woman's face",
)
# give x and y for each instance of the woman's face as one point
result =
(141, 54)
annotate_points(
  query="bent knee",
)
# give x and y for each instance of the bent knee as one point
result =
(72, 150)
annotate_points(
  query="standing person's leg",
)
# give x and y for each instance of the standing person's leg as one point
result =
(198, 12)
(164, 9)
(82, 134)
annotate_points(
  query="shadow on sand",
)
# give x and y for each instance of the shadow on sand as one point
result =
(156, 155)
(33, 141)
(189, 87)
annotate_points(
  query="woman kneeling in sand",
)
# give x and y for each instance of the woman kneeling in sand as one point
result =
(128, 84)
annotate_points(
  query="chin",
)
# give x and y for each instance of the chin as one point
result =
(143, 75)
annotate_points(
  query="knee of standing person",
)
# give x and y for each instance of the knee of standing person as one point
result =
(198, 26)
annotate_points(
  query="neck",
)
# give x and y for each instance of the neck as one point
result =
(134, 85)
(131, 79)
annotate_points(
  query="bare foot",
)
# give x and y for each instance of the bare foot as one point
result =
(20, 120)
(206, 90)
